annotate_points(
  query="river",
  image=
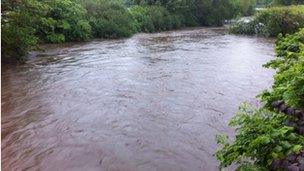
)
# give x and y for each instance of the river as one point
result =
(149, 102)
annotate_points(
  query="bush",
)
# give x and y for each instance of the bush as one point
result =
(272, 21)
(64, 18)
(243, 27)
(158, 15)
(210, 12)
(261, 137)
(247, 166)
(109, 19)
(287, 2)
(247, 7)
(18, 27)
(175, 21)
(143, 21)
(155, 18)
(55, 38)
(16, 42)
(281, 19)
(194, 12)
(289, 78)
(80, 31)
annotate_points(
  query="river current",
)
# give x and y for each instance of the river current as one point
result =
(149, 102)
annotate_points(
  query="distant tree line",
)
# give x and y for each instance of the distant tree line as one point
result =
(27, 23)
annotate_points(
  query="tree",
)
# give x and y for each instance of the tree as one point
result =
(20, 19)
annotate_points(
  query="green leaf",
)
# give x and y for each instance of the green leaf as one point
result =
(296, 148)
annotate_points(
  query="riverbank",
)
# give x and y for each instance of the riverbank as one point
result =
(27, 24)
(266, 136)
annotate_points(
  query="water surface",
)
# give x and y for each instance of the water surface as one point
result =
(150, 102)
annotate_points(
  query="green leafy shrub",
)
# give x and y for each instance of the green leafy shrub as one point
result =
(247, 7)
(163, 20)
(158, 16)
(109, 19)
(143, 21)
(16, 42)
(175, 21)
(272, 21)
(247, 166)
(18, 27)
(155, 18)
(80, 31)
(55, 38)
(243, 27)
(65, 17)
(210, 12)
(289, 78)
(261, 137)
(195, 12)
(287, 2)
(281, 19)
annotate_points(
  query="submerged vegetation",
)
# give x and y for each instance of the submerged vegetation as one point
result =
(267, 138)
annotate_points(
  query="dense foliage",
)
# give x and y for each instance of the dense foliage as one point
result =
(263, 3)
(210, 12)
(196, 12)
(64, 22)
(247, 7)
(27, 23)
(18, 27)
(155, 18)
(267, 138)
(289, 79)
(272, 21)
(287, 2)
(260, 137)
(109, 19)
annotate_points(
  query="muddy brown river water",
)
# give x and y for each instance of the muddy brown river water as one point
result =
(150, 102)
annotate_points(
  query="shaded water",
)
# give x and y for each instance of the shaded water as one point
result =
(150, 102)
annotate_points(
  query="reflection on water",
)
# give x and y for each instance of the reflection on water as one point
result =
(150, 102)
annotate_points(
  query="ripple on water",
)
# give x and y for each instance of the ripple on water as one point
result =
(150, 102)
